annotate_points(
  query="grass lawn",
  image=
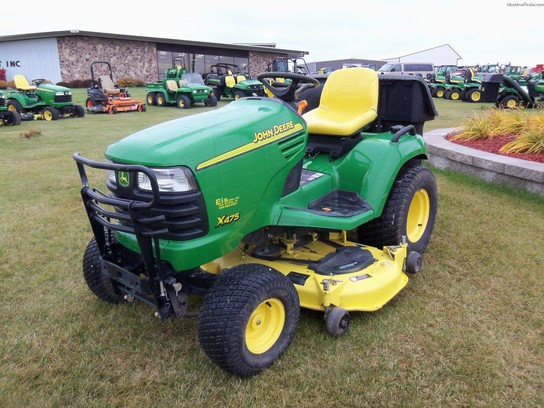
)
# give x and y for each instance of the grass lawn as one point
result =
(465, 332)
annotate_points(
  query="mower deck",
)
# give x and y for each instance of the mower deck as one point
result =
(332, 272)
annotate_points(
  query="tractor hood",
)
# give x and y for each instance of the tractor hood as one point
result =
(203, 140)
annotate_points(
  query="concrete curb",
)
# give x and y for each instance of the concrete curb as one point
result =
(490, 167)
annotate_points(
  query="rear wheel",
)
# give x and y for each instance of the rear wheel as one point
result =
(473, 95)
(439, 93)
(410, 211)
(150, 99)
(454, 95)
(509, 102)
(160, 100)
(248, 319)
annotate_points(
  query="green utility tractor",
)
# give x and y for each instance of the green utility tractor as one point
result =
(181, 88)
(228, 81)
(42, 100)
(508, 93)
(8, 117)
(262, 210)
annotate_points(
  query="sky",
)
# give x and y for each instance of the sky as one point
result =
(480, 31)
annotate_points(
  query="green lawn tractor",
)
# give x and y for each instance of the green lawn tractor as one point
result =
(228, 81)
(439, 81)
(261, 211)
(508, 93)
(104, 96)
(8, 117)
(42, 100)
(181, 88)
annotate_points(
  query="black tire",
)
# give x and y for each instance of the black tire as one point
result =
(312, 96)
(509, 102)
(49, 113)
(11, 118)
(238, 94)
(183, 102)
(90, 103)
(337, 321)
(212, 100)
(217, 94)
(410, 211)
(248, 319)
(440, 92)
(454, 95)
(160, 100)
(14, 105)
(96, 278)
(447, 93)
(150, 99)
(473, 95)
(79, 112)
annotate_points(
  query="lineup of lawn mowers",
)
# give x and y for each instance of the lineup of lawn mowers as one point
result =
(506, 86)
(40, 99)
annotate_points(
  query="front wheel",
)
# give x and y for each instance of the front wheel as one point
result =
(50, 113)
(248, 319)
(96, 277)
(183, 102)
(11, 118)
(410, 211)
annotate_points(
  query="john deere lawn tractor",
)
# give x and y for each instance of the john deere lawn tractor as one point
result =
(262, 210)
(8, 117)
(42, 100)
(181, 88)
(228, 81)
(439, 81)
(104, 96)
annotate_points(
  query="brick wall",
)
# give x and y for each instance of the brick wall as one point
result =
(133, 59)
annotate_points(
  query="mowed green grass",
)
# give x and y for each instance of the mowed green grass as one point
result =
(465, 332)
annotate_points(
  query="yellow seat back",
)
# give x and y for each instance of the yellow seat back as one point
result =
(172, 85)
(348, 104)
(230, 81)
(240, 78)
(22, 83)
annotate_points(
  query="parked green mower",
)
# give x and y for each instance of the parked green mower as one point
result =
(439, 81)
(42, 100)
(8, 117)
(181, 88)
(228, 81)
(262, 211)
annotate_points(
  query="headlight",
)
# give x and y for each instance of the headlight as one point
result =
(172, 179)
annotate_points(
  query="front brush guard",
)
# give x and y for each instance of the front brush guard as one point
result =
(163, 288)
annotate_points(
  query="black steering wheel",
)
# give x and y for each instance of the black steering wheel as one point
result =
(286, 90)
(38, 82)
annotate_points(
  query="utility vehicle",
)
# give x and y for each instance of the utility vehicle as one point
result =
(263, 210)
(42, 100)
(181, 88)
(104, 96)
(228, 81)
(8, 117)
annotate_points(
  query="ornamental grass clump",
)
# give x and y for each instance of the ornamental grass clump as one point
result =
(530, 139)
(526, 128)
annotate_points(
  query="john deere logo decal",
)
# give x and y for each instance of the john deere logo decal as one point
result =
(122, 178)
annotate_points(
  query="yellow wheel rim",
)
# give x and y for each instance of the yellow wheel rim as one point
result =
(418, 215)
(476, 96)
(454, 96)
(440, 93)
(47, 115)
(511, 104)
(265, 326)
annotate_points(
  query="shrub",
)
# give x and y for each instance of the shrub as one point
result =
(130, 82)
